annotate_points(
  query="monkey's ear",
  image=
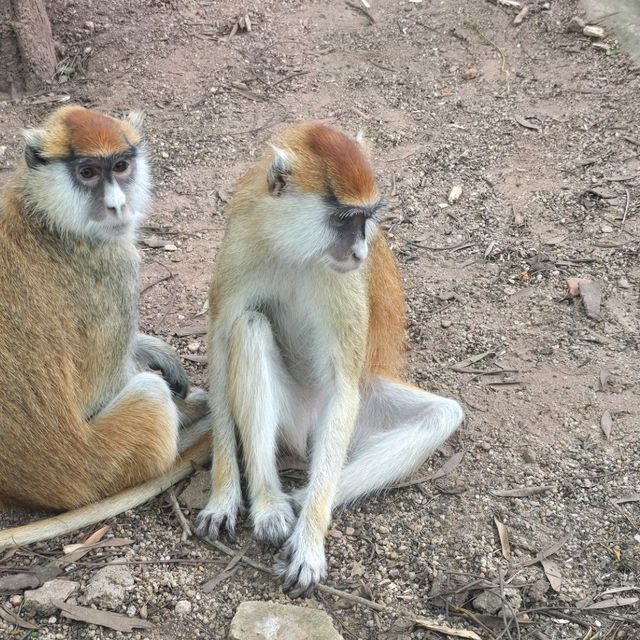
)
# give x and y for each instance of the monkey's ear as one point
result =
(279, 171)
(136, 119)
(32, 152)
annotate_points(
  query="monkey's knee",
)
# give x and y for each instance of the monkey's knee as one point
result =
(452, 414)
(252, 328)
(141, 423)
(193, 407)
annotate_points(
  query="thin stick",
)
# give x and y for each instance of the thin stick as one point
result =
(167, 276)
(187, 532)
(626, 207)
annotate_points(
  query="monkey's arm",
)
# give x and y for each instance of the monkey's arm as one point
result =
(108, 508)
(302, 563)
(157, 354)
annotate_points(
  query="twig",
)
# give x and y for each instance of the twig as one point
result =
(503, 57)
(361, 10)
(187, 531)
(470, 616)
(293, 75)
(626, 207)
(167, 276)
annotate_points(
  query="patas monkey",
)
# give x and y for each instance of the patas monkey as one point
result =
(306, 348)
(79, 419)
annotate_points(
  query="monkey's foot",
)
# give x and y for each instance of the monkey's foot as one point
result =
(273, 522)
(192, 408)
(301, 566)
(215, 521)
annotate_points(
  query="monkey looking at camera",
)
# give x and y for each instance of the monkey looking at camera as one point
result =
(79, 419)
(306, 348)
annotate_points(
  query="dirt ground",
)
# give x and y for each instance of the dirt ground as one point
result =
(540, 129)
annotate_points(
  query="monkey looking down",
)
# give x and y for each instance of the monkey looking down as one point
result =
(80, 418)
(306, 350)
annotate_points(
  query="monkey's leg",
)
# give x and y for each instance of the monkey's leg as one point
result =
(398, 427)
(156, 354)
(258, 383)
(218, 518)
(302, 562)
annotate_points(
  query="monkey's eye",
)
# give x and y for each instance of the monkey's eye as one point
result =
(121, 166)
(88, 172)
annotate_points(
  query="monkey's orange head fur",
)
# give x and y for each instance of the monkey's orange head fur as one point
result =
(327, 162)
(76, 131)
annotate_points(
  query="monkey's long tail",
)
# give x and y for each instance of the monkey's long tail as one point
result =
(109, 507)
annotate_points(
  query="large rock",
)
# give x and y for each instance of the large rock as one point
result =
(271, 621)
(39, 601)
(108, 587)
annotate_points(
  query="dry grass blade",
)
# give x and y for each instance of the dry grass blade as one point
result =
(503, 534)
(16, 620)
(115, 621)
(612, 602)
(467, 362)
(552, 571)
(606, 422)
(210, 585)
(604, 379)
(432, 625)
(521, 492)
(632, 497)
(554, 548)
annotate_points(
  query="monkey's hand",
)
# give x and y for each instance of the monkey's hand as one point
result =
(218, 518)
(301, 563)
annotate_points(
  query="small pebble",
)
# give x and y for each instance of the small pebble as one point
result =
(193, 347)
(445, 324)
(183, 607)
(170, 247)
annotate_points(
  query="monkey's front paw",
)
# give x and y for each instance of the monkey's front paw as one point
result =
(272, 524)
(214, 522)
(301, 567)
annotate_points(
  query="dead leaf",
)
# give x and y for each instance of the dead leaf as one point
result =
(433, 625)
(454, 194)
(16, 620)
(97, 535)
(632, 497)
(74, 552)
(552, 571)
(521, 492)
(545, 553)
(591, 294)
(606, 422)
(196, 494)
(448, 466)
(612, 602)
(609, 592)
(357, 569)
(604, 378)
(503, 534)
(526, 123)
(210, 585)
(573, 285)
(154, 242)
(108, 619)
(13, 583)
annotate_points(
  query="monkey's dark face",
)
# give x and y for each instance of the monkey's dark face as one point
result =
(108, 182)
(351, 230)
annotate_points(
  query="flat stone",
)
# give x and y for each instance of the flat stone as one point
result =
(108, 587)
(40, 601)
(196, 494)
(487, 602)
(271, 621)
